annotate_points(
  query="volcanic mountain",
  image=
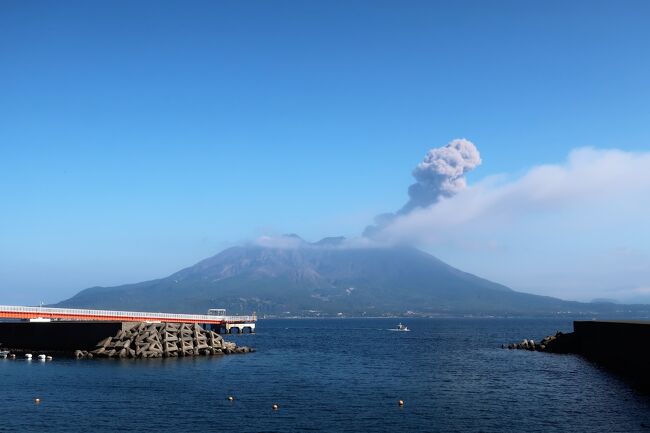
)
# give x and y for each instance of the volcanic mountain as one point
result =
(323, 278)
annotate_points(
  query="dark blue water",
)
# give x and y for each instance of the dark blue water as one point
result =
(334, 375)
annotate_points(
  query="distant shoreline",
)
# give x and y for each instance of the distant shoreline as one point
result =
(483, 317)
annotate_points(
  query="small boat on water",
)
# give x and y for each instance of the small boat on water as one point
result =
(41, 357)
(28, 356)
(401, 328)
(4, 354)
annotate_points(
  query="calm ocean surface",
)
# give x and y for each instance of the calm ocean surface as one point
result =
(334, 375)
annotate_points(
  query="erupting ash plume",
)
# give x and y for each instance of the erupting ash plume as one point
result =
(440, 174)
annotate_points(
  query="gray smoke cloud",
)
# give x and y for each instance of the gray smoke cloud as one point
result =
(440, 174)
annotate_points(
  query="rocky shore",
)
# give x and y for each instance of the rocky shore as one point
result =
(158, 340)
(559, 343)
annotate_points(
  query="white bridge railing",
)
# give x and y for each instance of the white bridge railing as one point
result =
(47, 312)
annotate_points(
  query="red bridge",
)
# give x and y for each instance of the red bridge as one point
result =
(46, 313)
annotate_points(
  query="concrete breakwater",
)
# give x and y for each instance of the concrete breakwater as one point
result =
(113, 339)
(620, 346)
(145, 340)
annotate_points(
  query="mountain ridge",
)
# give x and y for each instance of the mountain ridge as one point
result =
(326, 278)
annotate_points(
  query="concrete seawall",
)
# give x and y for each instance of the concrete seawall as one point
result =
(622, 346)
(115, 339)
(56, 336)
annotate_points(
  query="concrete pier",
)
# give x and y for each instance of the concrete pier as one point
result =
(622, 346)
(240, 328)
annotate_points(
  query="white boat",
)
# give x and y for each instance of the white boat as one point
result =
(401, 328)
(28, 356)
(4, 353)
(41, 357)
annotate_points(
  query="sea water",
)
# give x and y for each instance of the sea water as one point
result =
(334, 375)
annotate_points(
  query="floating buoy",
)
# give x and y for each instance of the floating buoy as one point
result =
(37, 400)
(400, 403)
(275, 406)
(231, 398)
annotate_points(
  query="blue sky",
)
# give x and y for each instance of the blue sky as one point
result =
(139, 138)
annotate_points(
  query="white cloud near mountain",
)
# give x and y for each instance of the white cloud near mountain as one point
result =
(561, 216)
(613, 181)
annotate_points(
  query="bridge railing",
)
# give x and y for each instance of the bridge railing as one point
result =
(141, 315)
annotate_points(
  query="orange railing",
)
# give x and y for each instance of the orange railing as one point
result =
(17, 312)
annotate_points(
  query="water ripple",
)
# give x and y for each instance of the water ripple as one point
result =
(334, 375)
